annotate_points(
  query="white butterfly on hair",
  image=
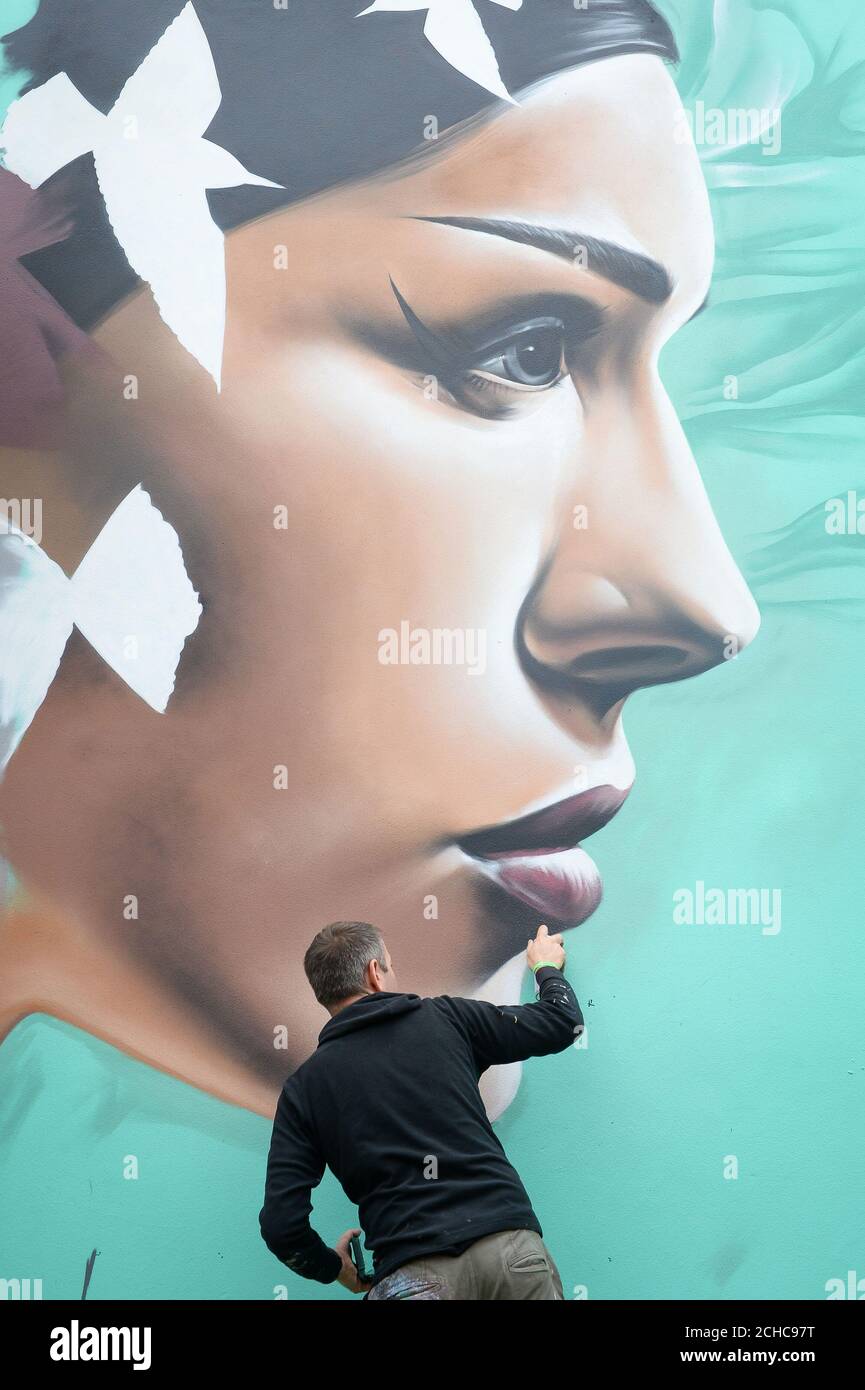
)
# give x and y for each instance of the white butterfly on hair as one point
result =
(455, 30)
(131, 598)
(153, 167)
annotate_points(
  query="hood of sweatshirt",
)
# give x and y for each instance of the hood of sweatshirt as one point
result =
(372, 1008)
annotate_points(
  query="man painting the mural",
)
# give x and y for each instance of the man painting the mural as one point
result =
(390, 1102)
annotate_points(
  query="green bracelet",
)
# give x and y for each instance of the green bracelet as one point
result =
(545, 962)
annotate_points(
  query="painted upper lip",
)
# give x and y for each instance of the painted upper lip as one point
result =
(557, 827)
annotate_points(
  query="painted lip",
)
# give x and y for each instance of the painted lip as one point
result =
(560, 826)
(538, 858)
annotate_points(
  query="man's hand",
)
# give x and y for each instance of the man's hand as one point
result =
(348, 1275)
(546, 947)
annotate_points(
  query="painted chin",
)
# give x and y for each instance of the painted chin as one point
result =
(564, 885)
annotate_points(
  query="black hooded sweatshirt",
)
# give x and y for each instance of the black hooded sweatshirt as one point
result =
(389, 1101)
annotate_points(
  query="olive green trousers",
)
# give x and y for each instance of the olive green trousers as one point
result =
(508, 1264)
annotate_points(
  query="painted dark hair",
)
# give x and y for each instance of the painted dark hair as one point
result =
(313, 95)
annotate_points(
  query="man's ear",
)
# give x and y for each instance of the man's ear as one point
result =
(377, 974)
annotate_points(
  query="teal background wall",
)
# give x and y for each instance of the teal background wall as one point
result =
(704, 1041)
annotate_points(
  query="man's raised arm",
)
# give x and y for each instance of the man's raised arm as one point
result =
(515, 1032)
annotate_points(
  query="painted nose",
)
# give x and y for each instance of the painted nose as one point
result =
(620, 642)
(646, 593)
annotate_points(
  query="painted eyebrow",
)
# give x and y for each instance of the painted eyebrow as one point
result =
(645, 278)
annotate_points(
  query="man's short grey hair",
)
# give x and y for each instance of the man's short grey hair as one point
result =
(337, 958)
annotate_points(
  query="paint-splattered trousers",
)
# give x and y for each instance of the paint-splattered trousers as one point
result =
(508, 1264)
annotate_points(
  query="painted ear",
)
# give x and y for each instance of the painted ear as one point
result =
(131, 598)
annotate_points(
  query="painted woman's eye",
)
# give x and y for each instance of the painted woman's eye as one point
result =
(532, 358)
(508, 368)
(511, 377)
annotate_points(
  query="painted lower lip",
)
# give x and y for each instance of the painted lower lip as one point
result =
(565, 886)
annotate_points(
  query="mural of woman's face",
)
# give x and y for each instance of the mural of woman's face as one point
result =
(443, 520)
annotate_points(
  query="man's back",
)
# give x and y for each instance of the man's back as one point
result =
(390, 1102)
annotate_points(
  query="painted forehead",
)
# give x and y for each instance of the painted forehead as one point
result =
(269, 104)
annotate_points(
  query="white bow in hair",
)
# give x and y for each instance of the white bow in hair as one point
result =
(153, 168)
(131, 598)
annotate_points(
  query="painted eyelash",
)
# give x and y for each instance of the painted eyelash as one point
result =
(502, 396)
(454, 361)
(498, 401)
(449, 352)
(486, 381)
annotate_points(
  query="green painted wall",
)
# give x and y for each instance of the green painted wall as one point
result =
(704, 1041)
